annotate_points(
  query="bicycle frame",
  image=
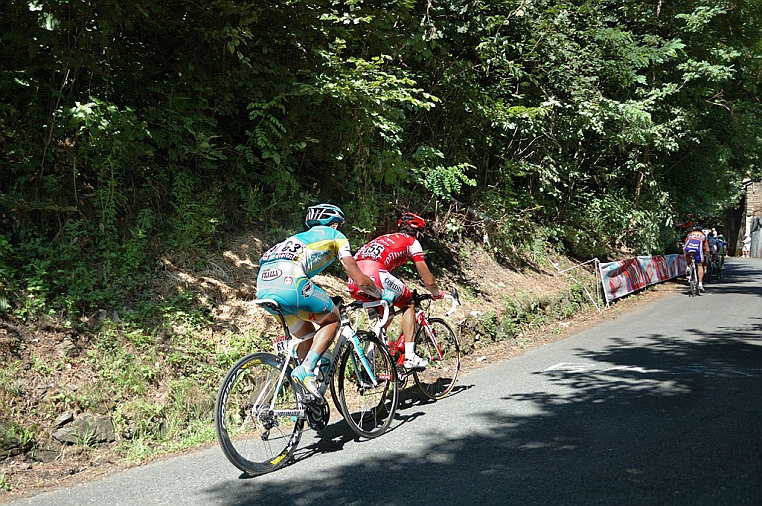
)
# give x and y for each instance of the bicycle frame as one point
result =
(421, 319)
(434, 341)
(347, 337)
(266, 408)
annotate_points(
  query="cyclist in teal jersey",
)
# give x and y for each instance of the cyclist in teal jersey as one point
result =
(284, 276)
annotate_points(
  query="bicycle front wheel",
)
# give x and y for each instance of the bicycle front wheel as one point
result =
(256, 435)
(439, 346)
(368, 409)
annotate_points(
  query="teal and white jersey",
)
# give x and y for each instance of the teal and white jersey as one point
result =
(311, 252)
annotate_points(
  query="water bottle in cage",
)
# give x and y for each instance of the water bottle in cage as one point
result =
(397, 349)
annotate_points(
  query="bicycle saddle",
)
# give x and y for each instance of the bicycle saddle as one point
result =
(269, 304)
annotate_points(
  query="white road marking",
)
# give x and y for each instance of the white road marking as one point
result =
(700, 369)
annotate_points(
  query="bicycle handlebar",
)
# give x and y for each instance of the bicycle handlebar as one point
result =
(384, 317)
(357, 304)
(455, 302)
(452, 296)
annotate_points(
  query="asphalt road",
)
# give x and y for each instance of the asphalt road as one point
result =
(662, 405)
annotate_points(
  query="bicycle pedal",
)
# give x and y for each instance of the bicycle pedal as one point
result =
(315, 401)
(309, 399)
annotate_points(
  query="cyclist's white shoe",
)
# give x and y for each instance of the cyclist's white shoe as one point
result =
(415, 362)
(701, 287)
(307, 380)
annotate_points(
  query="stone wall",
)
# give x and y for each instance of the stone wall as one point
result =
(753, 218)
(754, 200)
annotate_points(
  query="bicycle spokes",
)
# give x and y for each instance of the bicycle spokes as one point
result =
(367, 395)
(258, 417)
(432, 346)
(437, 343)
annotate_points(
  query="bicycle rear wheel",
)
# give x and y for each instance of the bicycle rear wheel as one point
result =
(694, 281)
(369, 410)
(254, 438)
(439, 346)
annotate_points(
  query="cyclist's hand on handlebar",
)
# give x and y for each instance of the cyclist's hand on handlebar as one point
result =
(440, 295)
(388, 296)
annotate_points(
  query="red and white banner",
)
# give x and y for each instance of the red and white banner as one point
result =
(623, 277)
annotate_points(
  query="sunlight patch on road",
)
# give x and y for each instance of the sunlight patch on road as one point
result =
(682, 370)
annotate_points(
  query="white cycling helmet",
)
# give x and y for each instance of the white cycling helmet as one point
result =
(323, 214)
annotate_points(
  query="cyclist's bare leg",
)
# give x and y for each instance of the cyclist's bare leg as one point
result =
(301, 329)
(408, 328)
(408, 322)
(329, 324)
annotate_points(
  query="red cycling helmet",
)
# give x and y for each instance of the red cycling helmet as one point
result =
(411, 221)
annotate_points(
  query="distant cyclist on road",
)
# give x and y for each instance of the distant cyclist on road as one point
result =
(723, 245)
(696, 246)
(711, 240)
(385, 253)
(714, 248)
(284, 275)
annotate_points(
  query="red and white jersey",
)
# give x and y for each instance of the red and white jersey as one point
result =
(391, 250)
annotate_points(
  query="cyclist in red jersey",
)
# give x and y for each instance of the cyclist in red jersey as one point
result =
(385, 253)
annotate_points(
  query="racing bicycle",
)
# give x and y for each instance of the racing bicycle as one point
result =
(710, 270)
(693, 278)
(717, 265)
(260, 411)
(435, 341)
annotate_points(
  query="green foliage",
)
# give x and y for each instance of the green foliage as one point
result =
(130, 130)
(196, 219)
(575, 300)
(184, 308)
(240, 345)
(24, 436)
(443, 182)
